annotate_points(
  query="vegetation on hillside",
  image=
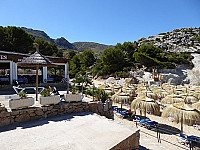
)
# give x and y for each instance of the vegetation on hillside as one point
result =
(124, 57)
(95, 47)
(115, 60)
(15, 39)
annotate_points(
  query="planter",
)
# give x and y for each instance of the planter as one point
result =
(55, 99)
(72, 97)
(21, 103)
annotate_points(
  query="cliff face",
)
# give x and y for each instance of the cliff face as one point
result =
(179, 40)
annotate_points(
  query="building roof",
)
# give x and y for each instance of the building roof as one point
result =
(17, 57)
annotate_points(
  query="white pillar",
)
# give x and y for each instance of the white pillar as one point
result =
(67, 75)
(67, 71)
(44, 74)
(11, 72)
(14, 73)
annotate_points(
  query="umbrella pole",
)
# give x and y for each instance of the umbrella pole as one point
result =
(182, 126)
(121, 107)
(37, 82)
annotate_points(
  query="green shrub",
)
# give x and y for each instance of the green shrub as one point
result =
(22, 95)
(46, 92)
(101, 95)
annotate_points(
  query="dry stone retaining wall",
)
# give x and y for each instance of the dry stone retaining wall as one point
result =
(36, 113)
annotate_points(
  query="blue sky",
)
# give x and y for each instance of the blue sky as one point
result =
(102, 21)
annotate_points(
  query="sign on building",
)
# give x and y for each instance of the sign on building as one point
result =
(3, 57)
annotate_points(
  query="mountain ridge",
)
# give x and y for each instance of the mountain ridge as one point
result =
(178, 40)
(64, 44)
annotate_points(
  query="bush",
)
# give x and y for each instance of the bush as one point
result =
(46, 92)
(22, 95)
(101, 95)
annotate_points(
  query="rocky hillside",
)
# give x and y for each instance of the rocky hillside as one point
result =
(39, 34)
(81, 46)
(62, 43)
(179, 40)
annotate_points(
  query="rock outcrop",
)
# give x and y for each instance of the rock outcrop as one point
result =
(179, 40)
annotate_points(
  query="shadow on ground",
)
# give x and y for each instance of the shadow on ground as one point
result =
(167, 129)
(142, 148)
(35, 123)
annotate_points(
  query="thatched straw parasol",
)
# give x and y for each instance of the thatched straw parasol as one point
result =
(108, 89)
(36, 60)
(189, 97)
(183, 113)
(196, 106)
(145, 104)
(171, 99)
(120, 97)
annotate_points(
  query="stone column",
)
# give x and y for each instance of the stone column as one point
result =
(44, 74)
(11, 72)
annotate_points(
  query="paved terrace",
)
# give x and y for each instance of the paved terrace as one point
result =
(83, 131)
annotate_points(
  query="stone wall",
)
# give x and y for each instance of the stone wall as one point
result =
(2, 108)
(100, 108)
(62, 108)
(131, 142)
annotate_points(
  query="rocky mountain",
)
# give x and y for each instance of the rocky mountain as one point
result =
(62, 43)
(81, 46)
(38, 34)
(179, 40)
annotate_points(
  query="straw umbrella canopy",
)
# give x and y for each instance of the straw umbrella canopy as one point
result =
(196, 106)
(145, 104)
(189, 97)
(120, 97)
(183, 113)
(149, 94)
(196, 94)
(36, 60)
(128, 90)
(196, 88)
(163, 93)
(108, 89)
(178, 91)
(171, 99)
(116, 87)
